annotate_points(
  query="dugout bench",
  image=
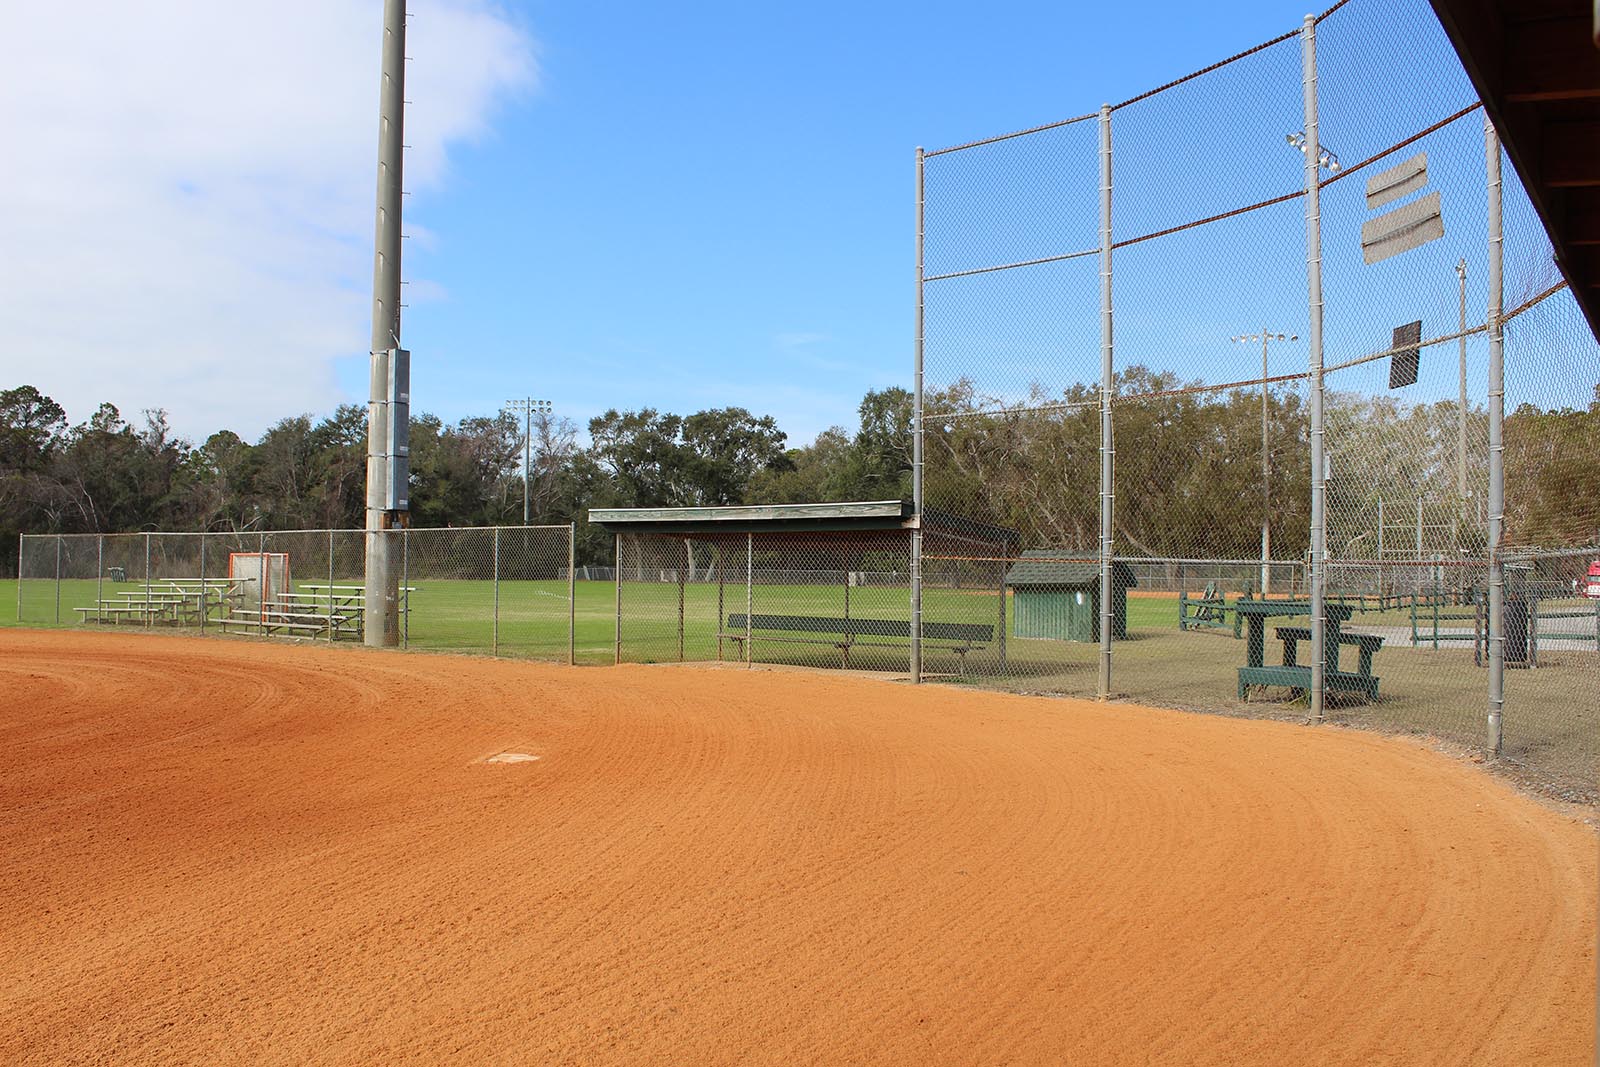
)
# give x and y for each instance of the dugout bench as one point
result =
(845, 634)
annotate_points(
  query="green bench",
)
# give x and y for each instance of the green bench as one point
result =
(845, 634)
(1208, 611)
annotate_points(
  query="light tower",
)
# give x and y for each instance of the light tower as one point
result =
(1265, 337)
(388, 415)
(526, 407)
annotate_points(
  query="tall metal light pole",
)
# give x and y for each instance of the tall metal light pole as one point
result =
(526, 407)
(381, 585)
(1266, 456)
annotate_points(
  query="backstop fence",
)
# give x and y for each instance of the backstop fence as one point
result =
(1290, 318)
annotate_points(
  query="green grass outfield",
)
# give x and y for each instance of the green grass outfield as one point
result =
(1552, 723)
(459, 615)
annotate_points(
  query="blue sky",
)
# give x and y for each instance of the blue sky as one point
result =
(684, 206)
(712, 204)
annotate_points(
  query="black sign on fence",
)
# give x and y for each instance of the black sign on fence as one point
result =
(1403, 364)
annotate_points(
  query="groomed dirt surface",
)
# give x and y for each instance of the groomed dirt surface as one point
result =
(223, 852)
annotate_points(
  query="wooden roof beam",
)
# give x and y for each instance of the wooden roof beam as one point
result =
(1549, 59)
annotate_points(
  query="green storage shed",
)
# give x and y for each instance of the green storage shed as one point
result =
(1055, 597)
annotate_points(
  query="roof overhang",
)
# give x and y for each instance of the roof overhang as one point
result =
(1535, 66)
(855, 515)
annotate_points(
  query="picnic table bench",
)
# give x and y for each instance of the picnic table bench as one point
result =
(957, 637)
(1292, 674)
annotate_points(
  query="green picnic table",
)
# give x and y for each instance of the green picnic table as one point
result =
(1292, 674)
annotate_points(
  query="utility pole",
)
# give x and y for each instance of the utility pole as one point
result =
(526, 407)
(385, 423)
(1264, 337)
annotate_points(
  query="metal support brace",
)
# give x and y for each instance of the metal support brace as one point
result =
(572, 594)
(1107, 383)
(494, 638)
(749, 596)
(1497, 470)
(616, 646)
(1308, 40)
(917, 444)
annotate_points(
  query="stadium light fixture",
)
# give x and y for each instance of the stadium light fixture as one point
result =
(1325, 158)
(527, 408)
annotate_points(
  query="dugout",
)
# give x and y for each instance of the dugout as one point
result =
(1059, 598)
(806, 584)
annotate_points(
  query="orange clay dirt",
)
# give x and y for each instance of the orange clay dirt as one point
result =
(227, 852)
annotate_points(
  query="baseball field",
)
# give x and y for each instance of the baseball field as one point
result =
(239, 852)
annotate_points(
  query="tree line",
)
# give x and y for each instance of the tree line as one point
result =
(1188, 467)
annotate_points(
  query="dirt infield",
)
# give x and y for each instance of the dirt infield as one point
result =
(224, 852)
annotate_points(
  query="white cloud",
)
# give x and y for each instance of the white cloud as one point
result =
(186, 191)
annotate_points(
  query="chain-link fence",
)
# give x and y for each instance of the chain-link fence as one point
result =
(504, 591)
(805, 600)
(1277, 354)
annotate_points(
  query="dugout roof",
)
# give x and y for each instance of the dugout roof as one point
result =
(845, 517)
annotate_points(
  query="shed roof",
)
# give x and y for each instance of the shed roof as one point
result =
(1058, 567)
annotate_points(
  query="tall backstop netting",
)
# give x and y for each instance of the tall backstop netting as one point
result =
(1278, 354)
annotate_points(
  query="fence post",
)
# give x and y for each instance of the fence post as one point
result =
(100, 572)
(572, 594)
(1497, 398)
(22, 539)
(682, 588)
(330, 587)
(1438, 595)
(1318, 577)
(148, 620)
(1001, 632)
(616, 648)
(918, 418)
(1532, 603)
(749, 596)
(1107, 370)
(494, 639)
(261, 589)
(205, 601)
(58, 579)
(405, 584)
